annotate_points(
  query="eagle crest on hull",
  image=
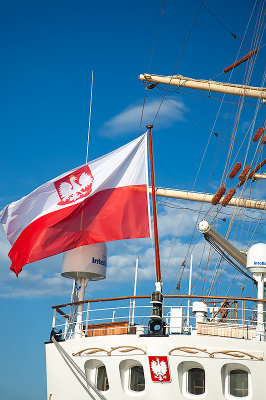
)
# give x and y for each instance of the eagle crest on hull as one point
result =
(159, 369)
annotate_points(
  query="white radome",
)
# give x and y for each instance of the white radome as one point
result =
(87, 262)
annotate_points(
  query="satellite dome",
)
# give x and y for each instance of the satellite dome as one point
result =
(256, 259)
(87, 262)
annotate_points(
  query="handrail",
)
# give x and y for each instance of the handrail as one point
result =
(167, 296)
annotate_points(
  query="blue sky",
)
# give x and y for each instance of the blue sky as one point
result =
(48, 52)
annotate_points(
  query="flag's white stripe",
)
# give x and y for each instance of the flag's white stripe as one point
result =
(123, 167)
(146, 170)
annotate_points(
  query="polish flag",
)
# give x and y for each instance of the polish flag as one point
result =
(104, 200)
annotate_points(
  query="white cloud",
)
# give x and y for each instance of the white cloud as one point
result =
(173, 221)
(245, 127)
(35, 285)
(128, 120)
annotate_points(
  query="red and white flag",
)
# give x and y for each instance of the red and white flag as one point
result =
(104, 200)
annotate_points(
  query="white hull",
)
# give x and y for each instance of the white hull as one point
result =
(62, 384)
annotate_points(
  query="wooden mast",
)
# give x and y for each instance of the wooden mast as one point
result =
(155, 226)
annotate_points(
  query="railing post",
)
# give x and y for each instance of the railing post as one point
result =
(130, 311)
(133, 302)
(189, 292)
(54, 318)
(87, 319)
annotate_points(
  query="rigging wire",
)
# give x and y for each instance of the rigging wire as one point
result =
(186, 113)
(233, 138)
(249, 141)
(174, 69)
(204, 96)
(220, 22)
(233, 216)
(200, 168)
(225, 27)
(249, 67)
(142, 111)
(145, 93)
(166, 90)
(218, 112)
(225, 256)
(179, 58)
(157, 35)
(171, 205)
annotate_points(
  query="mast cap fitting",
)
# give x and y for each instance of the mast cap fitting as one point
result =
(204, 226)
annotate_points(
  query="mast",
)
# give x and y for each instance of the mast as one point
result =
(209, 86)
(155, 226)
(156, 324)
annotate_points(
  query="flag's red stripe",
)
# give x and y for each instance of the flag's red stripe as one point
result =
(112, 214)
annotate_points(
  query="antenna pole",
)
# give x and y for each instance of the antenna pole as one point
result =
(89, 128)
(156, 240)
(79, 322)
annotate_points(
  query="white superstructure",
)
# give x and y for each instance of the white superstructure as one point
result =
(113, 357)
(213, 348)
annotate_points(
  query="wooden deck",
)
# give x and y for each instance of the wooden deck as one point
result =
(109, 328)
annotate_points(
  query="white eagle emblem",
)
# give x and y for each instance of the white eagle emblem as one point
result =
(159, 369)
(74, 186)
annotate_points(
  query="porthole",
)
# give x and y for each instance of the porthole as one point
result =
(96, 374)
(238, 383)
(192, 380)
(137, 379)
(196, 381)
(102, 379)
(132, 377)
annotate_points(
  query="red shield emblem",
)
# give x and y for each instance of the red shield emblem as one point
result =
(159, 369)
(76, 185)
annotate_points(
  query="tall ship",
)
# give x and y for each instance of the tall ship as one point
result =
(196, 340)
